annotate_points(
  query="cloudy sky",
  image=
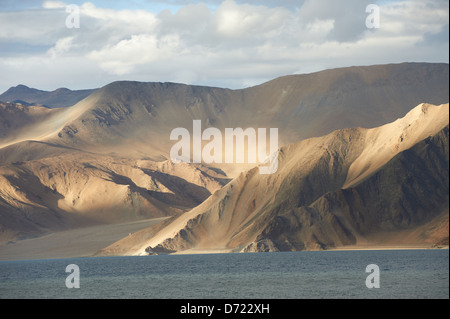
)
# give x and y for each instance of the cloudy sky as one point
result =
(225, 43)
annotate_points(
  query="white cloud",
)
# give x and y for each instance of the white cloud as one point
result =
(123, 57)
(222, 43)
(414, 17)
(62, 46)
(53, 5)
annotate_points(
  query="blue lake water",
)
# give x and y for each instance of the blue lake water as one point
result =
(288, 275)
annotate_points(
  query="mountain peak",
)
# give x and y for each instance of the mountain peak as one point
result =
(21, 86)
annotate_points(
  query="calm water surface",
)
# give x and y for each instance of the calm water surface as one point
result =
(296, 275)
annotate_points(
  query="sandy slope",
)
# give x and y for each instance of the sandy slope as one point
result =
(81, 242)
(73, 190)
(241, 213)
(383, 143)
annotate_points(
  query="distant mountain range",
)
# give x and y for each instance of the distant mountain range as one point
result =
(61, 97)
(105, 159)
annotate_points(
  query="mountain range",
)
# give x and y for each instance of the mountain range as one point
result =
(345, 175)
(61, 97)
(351, 186)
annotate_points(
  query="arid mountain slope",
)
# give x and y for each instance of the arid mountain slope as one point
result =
(69, 191)
(409, 191)
(20, 123)
(135, 119)
(116, 142)
(300, 106)
(310, 203)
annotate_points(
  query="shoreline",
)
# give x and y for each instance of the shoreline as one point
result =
(228, 251)
(74, 243)
(387, 248)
